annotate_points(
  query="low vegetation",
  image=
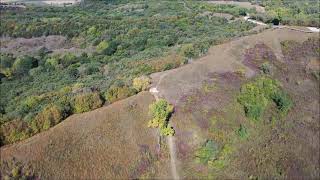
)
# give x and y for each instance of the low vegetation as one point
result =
(208, 152)
(86, 102)
(289, 12)
(141, 83)
(130, 39)
(257, 95)
(161, 112)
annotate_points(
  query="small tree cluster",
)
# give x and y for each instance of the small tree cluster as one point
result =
(13, 131)
(141, 83)
(161, 112)
(50, 116)
(255, 97)
(87, 101)
(117, 93)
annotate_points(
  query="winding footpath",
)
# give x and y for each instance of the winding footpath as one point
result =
(170, 140)
(155, 92)
(310, 29)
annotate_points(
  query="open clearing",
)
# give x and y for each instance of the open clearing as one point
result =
(31, 46)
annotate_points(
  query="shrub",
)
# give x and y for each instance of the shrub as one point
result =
(208, 152)
(86, 102)
(6, 61)
(253, 99)
(23, 64)
(168, 66)
(48, 117)
(141, 83)
(88, 69)
(102, 47)
(282, 101)
(242, 132)
(161, 112)
(14, 131)
(188, 50)
(266, 68)
(32, 101)
(52, 62)
(255, 96)
(68, 59)
(117, 93)
(167, 131)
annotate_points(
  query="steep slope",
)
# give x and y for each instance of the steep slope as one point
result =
(112, 141)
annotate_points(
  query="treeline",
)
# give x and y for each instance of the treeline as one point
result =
(290, 12)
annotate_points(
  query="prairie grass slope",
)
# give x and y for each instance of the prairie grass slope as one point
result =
(207, 112)
(112, 141)
(214, 138)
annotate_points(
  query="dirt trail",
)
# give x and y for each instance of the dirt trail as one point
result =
(173, 157)
(170, 140)
(227, 57)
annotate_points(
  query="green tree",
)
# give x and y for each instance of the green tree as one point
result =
(102, 47)
(22, 65)
(87, 101)
(161, 112)
(141, 83)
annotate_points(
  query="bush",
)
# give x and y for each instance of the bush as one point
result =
(13, 131)
(102, 47)
(31, 102)
(88, 69)
(141, 83)
(255, 96)
(48, 117)
(242, 132)
(117, 93)
(68, 59)
(188, 50)
(23, 64)
(282, 101)
(266, 68)
(208, 152)
(6, 61)
(87, 102)
(52, 62)
(161, 112)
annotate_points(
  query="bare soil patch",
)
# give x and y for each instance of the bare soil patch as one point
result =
(31, 46)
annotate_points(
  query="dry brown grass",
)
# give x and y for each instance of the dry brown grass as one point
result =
(108, 142)
(113, 141)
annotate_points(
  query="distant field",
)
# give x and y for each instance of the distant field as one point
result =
(40, 2)
(241, 4)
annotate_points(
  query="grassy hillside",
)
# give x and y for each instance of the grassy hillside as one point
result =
(127, 39)
(246, 110)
